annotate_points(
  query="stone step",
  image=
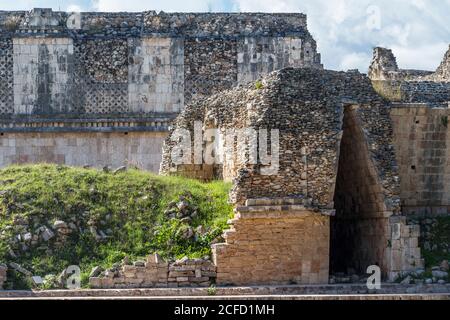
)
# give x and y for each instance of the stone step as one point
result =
(262, 208)
(273, 201)
(232, 221)
(228, 233)
(278, 211)
(351, 291)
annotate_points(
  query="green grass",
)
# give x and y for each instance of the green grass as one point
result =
(259, 85)
(130, 205)
(440, 241)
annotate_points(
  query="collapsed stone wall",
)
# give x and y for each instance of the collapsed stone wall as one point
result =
(384, 67)
(128, 23)
(155, 273)
(443, 71)
(306, 106)
(336, 152)
(409, 86)
(419, 114)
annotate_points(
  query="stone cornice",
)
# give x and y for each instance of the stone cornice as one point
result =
(158, 124)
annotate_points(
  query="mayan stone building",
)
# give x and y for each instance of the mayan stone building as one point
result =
(358, 157)
(99, 89)
(346, 159)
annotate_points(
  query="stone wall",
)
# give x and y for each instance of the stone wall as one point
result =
(384, 67)
(443, 71)
(274, 241)
(7, 83)
(139, 63)
(422, 140)
(403, 253)
(155, 272)
(126, 67)
(409, 86)
(399, 91)
(96, 149)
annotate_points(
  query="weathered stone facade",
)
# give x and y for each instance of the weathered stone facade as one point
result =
(97, 149)
(274, 241)
(422, 138)
(410, 86)
(420, 115)
(116, 69)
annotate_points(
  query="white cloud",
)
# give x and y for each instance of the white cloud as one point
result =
(17, 5)
(426, 57)
(73, 8)
(144, 5)
(416, 29)
(345, 30)
(355, 60)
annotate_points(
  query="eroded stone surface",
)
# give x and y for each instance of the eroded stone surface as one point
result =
(111, 72)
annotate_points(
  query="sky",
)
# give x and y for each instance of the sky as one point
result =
(417, 31)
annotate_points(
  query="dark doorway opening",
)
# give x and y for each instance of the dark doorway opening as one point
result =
(358, 232)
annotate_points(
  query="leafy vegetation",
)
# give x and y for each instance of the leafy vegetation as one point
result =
(135, 211)
(259, 85)
(437, 247)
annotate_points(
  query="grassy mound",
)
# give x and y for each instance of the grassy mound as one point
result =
(55, 216)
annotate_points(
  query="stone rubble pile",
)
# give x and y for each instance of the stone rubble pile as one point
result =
(191, 272)
(434, 275)
(25, 235)
(155, 272)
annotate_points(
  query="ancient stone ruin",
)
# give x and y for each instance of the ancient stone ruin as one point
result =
(358, 158)
(348, 158)
(99, 89)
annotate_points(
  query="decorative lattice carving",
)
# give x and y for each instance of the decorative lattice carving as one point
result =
(202, 86)
(106, 98)
(210, 66)
(6, 76)
(98, 92)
